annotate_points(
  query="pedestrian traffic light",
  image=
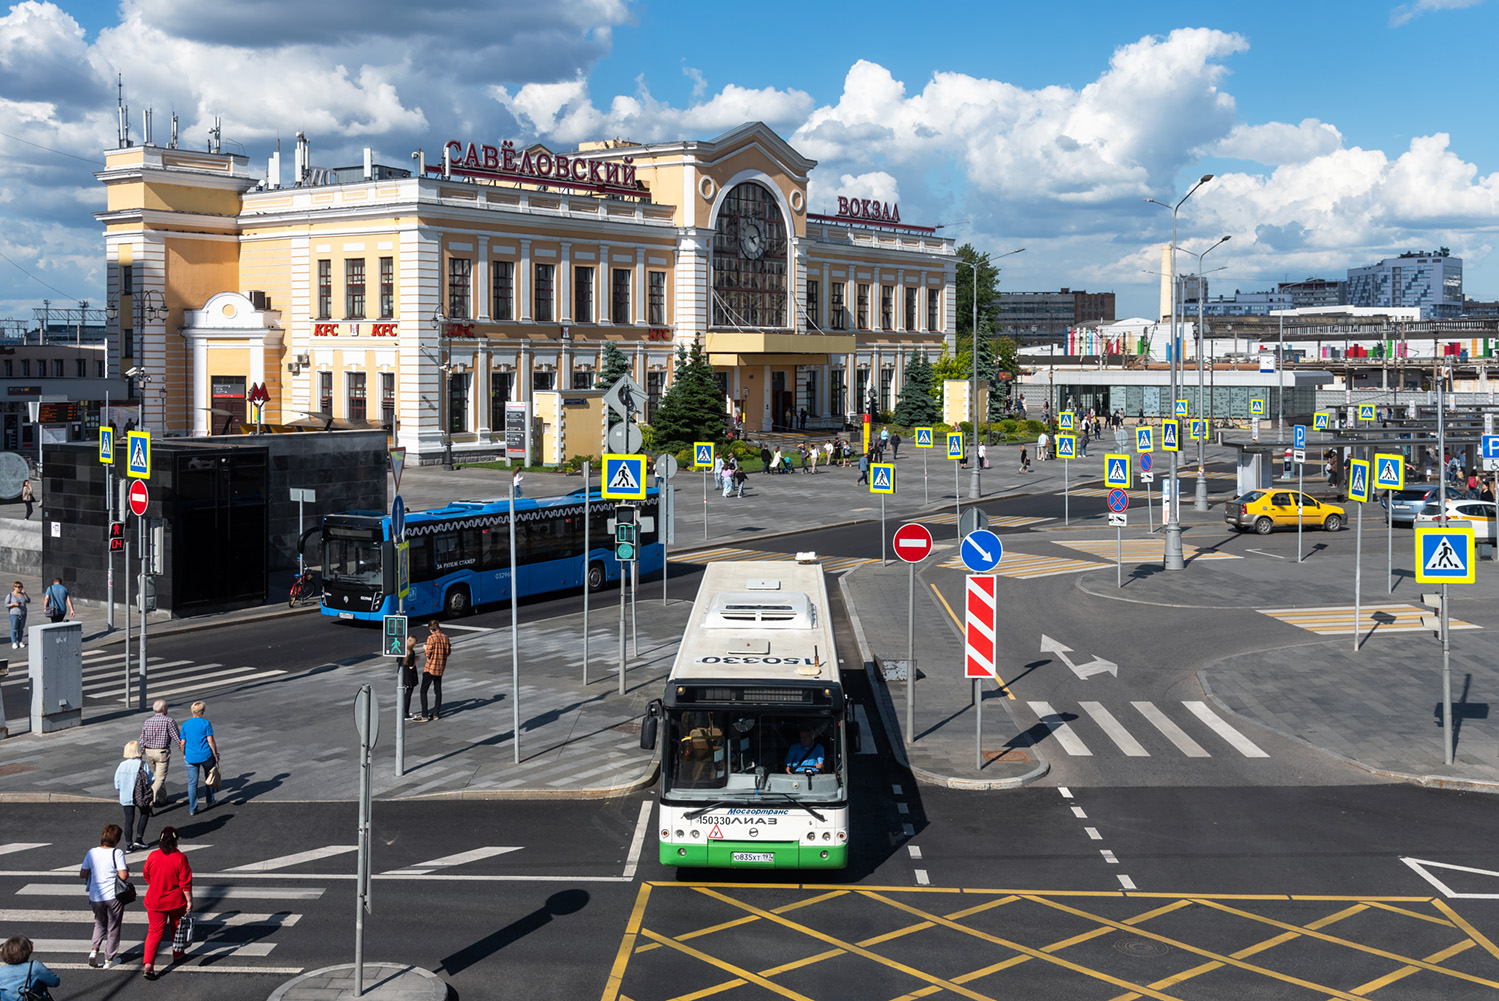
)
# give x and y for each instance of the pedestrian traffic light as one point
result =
(626, 533)
(116, 536)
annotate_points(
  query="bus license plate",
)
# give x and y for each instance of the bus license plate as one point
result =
(345, 615)
(754, 856)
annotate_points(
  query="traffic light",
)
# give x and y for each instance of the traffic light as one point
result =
(626, 533)
(116, 536)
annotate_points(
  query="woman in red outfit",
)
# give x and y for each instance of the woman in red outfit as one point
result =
(169, 895)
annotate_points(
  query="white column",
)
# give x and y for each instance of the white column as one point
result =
(641, 308)
(481, 276)
(565, 283)
(200, 377)
(521, 390)
(479, 388)
(603, 287)
(523, 279)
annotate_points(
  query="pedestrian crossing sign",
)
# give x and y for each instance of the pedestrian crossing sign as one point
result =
(1199, 429)
(624, 477)
(1143, 441)
(1445, 555)
(955, 444)
(1169, 432)
(1389, 472)
(1116, 471)
(702, 455)
(1321, 420)
(1366, 411)
(107, 445)
(1181, 408)
(1256, 408)
(138, 454)
(1064, 420)
(923, 437)
(881, 478)
(1358, 480)
(1066, 446)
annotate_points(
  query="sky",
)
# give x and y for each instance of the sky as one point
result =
(1339, 132)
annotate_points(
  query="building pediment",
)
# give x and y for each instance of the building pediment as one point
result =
(231, 311)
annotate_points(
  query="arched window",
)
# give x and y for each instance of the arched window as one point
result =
(749, 259)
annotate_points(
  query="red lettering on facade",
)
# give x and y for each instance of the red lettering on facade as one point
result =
(658, 334)
(491, 158)
(505, 160)
(472, 157)
(545, 170)
(383, 330)
(454, 150)
(842, 205)
(593, 172)
(507, 155)
(629, 172)
(526, 166)
(560, 168)
(611, 173)
(461, 330)
(868, 208)
(325, 330)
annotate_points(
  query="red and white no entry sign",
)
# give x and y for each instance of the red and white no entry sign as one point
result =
(913, 543)
(139, 497)
(982, 624)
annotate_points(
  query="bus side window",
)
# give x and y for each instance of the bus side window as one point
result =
(421, 557)
(494, 543)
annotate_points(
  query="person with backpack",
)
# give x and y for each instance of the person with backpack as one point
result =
(57, 603)
(133, 781)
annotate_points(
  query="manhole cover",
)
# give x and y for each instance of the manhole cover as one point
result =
(629, 726)
(1007, 754)
(1142, 947)
(15, 769)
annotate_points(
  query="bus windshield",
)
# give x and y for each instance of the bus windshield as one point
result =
(749, 753)
(351, 560)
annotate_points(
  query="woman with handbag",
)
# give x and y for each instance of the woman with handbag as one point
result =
(169, 897)
(127, 782)
(107, 874)
(200, 752)
(21, 977)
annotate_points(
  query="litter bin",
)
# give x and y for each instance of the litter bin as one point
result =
(56, 675)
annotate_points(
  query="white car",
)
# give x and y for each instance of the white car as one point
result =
(1477, 513)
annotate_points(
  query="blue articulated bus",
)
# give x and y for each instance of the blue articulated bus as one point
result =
(460, 554)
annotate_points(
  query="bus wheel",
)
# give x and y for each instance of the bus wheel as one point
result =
(456, 603)
(596, 576)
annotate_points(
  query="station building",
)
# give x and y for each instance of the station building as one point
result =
(425, 299)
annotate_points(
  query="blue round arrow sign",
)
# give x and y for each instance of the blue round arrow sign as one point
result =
(982, 551)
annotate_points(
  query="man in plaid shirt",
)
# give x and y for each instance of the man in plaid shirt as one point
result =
(437, 650)
(158, 734)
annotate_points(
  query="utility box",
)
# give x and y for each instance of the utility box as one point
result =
(56, 675)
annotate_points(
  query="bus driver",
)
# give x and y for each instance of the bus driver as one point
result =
(806, 756)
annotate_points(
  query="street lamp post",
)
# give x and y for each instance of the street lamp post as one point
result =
(975, 485)
(445, 405)
(1174, 559)
(1200, 502)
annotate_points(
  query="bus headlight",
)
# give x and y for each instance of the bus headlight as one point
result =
(842, 835)
(665, 834)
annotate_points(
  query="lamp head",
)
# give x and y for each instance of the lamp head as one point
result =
(1205, 178)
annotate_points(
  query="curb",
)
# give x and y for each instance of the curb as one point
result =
(892, 729)
(1428, 781)
(428, 984)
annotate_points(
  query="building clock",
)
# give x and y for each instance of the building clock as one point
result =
(750, 260)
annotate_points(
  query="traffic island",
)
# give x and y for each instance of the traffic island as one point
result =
(382, 982)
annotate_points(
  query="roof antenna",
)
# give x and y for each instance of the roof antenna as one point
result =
(174, 130)
(122, 131)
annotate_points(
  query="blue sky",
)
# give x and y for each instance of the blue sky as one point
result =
(1342, 131)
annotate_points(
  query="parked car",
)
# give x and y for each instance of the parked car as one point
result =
(1407, 504)
(1477, 513)
(1266, 510)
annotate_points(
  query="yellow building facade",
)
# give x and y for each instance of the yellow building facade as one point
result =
(428, 299)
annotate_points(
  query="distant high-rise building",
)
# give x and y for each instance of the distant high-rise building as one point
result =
(1030, 317)
(1313, 292)
(1432, 282)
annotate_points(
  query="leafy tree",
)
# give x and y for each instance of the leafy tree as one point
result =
(916, 406)
(615, 367)
(948, 367)
(692, 408)
(1006, 360)
(988, 298)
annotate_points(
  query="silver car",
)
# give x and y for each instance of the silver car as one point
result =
(1405, 506)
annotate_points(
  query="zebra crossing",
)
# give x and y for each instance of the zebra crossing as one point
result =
(1141, 550)
(1095, 725)
(1023, 567)
(1338, 620)
(995, 520)
(104, 676)
(1084, 492)
(830, 564)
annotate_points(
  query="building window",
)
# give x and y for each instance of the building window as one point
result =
(543, 381)
(25, 369)
(814, 293)
(887, 378)
(837, 311)
(582, 378)
(57, 368)
(325, 393)
(501, 386)
(887, 307)
(460, 275)
(80, 369)
(324, 289)
(931, 308)
(502, 291)
(838, 388)
(910, 309)
(656, 304)
(354, 288)
(861, 306)
(127, 342)
(387, 287)
(583, 295)
(655, 385)
(621, 297)
(457, 402)
(541, 309)
(356, 409)
(750, 260)
(127, 279)
(388, 399)
(10, 369)
(99, 366)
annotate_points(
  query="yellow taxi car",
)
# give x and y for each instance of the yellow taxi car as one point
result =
(1266, 510)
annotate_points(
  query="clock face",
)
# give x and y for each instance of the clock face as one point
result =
(751, 239)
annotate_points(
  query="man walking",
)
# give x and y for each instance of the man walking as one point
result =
(437, 650)
(894, 447)
(158, 735)
(57, 602)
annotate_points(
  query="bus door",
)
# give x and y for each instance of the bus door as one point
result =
(493, 580)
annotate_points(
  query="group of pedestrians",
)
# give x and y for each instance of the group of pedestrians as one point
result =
(57, 604)
(435, 653)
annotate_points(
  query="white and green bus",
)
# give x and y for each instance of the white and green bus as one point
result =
(756, 727)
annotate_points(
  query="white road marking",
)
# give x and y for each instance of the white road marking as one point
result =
(915, 851)
(638, 839)
(470, 629)
(1241, 743)
(1066, 793)
(45, 946)
(211, 891)
(227, 919)
(21, 846)
(896, 789)
(1419, 867)
(1068, 740)
(1126, 883)
(474, 855)
(1117, 733)
(1173, 733)
(131, 858)
(1092, 833)
(1108, 856)
(922, 879)
(1263, 553)
(1077, 812)
(296, 858)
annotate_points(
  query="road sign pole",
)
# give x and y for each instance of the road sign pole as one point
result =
(1446, 679)
(1389, 521)
(911, 652)
(140, 589)
(1066, 491)
(364, 706)
(957, 491)
(705, 505)
(1149, 508)
(109, 517)
(1120, 558)
(125, 570)
(624, 576)
(663, 519)
(515, 634)
(1300, 472)
(588, 564)
(978, 726)
(883, 560)
(1358, 572)
(926, 491)
(634, 620)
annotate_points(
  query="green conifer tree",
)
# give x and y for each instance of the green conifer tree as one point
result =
(616, 366)
(692, 408)
(916, 407)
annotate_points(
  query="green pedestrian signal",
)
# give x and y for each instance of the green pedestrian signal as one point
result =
(395, 636)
